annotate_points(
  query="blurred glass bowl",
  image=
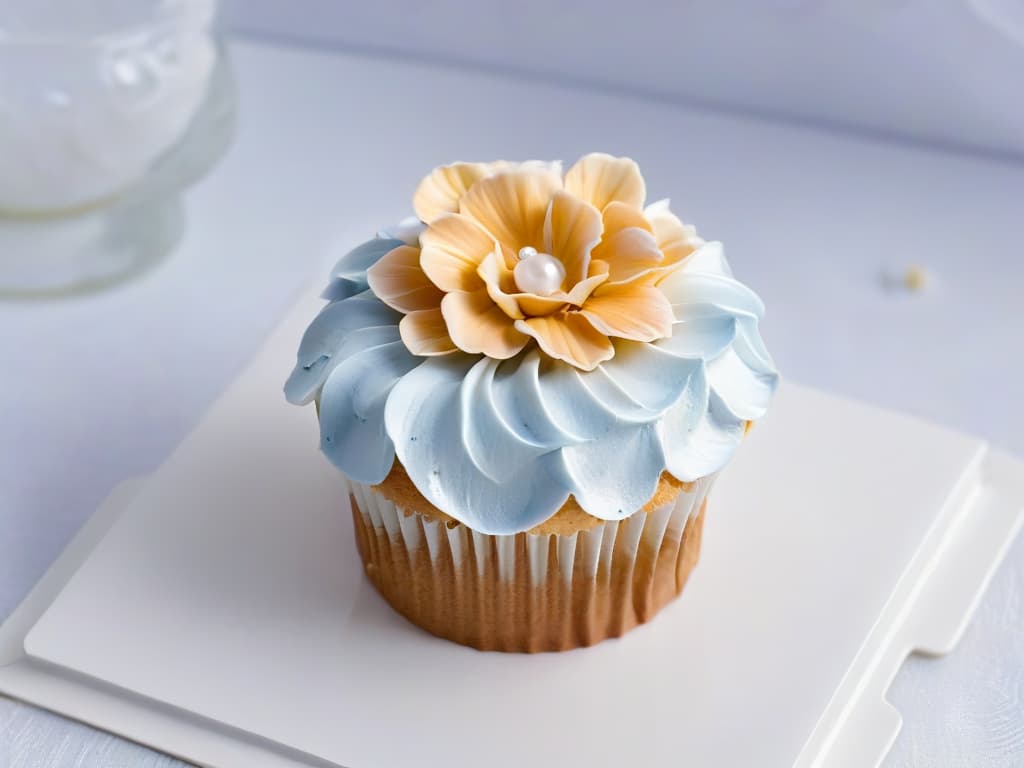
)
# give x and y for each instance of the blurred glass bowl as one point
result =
(93, 92)
(108, 109)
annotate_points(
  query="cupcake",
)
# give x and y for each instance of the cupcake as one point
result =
(530, 388)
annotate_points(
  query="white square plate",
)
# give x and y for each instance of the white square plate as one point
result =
(223, 617)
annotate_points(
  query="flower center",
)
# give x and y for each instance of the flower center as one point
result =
(538, 273)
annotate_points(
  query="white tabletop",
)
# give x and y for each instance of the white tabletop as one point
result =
(99, 389)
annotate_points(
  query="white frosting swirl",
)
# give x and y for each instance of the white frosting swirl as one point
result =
(501, 444)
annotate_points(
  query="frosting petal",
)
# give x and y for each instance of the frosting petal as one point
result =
(601, 179)
(627, 252)
(331, 337)
(500, 285)
(453, 248)
(639, 313)
(425, 333)
(423, 418)
(408, 230)
(677, 250)
(571, 230)
(750, 346)
(353, 265)
(440, 192)
(512, 206)
(700, 331)
(571, 406)
(744, 391)
(605, 388)
(649, 375)
(687, 289)
(615, 476)
(340, 288)
(518, 397)
(352, 431)
(582, 290)
(699, 439)
(618, 216)
(667, 227)
(398, 280)
(569, 337)
(496, 448)
(478, 326)
(709, 257)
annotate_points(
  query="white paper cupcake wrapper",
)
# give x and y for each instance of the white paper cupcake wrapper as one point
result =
(592, 548)
(591, 583)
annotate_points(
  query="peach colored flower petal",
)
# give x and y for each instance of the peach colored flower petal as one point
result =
(548, 166)
(398, 280)
(538, 306)
(676, 251)
(509, 258)
(617, 216)
(650, 276)
(674, 254)
(582, 290)
(478, 326)
(571, 230)
(425, 333)
(628, 252)
(665, 224)
(500, 284)
(512, 206)
(676, 240)
(601, 179)
(453, 247)
(568, 336)
(639, 313)
(441, 191)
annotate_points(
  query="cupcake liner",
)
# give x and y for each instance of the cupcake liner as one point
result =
(528, 592)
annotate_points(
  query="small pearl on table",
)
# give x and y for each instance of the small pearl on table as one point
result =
(538, 273)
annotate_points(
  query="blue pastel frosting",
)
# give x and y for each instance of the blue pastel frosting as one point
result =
(501, 444)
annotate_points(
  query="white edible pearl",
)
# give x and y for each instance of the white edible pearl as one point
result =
(526, 252)
(538, 273)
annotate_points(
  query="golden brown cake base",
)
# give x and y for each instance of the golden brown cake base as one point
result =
(529, 592)
(398, 488)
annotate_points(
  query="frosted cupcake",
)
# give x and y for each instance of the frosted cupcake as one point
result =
(531, 387)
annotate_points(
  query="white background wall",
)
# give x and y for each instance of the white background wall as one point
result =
(949, 71)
